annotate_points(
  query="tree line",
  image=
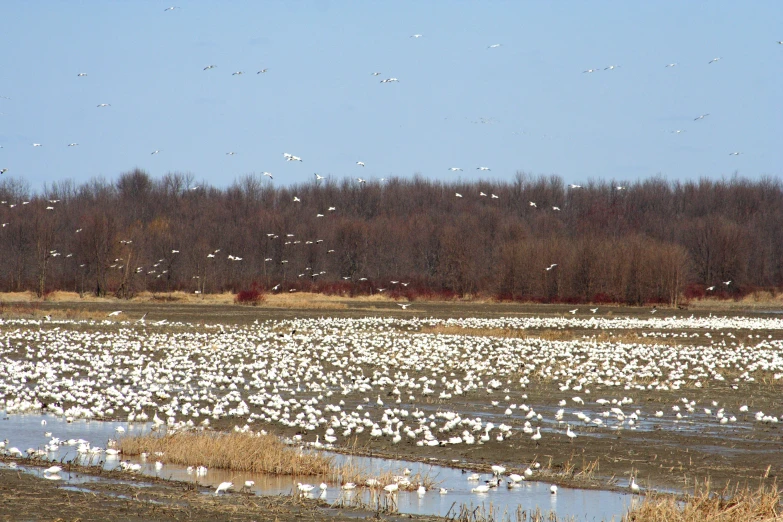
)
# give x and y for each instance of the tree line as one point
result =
(533, 238)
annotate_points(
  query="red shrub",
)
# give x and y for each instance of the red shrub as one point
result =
(252, 296)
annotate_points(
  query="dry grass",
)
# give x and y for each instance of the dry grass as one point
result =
(728, 505)
(482, 513)
(550, 334)
(232, 451)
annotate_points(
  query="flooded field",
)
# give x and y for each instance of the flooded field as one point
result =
(594, 402)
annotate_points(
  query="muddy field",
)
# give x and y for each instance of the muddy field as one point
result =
(121, 498)
(662, 456)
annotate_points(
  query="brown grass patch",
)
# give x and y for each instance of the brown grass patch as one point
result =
(728, 505)
(549, 334)
(232, 451)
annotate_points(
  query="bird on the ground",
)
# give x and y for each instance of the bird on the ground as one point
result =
(634, 486)
(570, 434)
(594, 310)
(224, 486)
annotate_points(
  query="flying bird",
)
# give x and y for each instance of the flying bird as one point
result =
(701, 117)
(458, 194)
(3, 171)
(454, 169)
(611, 67)
(389, 80)
(154, 152)
(231, 153)
(237, 73)
(262, 71)
(493, 46)
(268, 174)
(483, 168)
(114, 314)
(360, 180)
(360, 163)
(590, 71)
(734, 153)
(171, 8)
(208, 67)
(376, 74)
(713, 60)
(532, 204)
(574, 186)
(404, 306)
(81, 74)
(416, 36)
(317, 177)
(72, 144)
(104, 105)
(550, 267)
(671, 64)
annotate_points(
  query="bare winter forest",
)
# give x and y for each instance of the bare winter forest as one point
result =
(532, 239)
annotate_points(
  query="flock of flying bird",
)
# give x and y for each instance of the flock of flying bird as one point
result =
(381, 379)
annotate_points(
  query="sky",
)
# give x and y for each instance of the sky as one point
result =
(461, 100)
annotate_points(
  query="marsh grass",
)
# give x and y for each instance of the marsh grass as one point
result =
(231, 451)
(549, 335)
(728, 505)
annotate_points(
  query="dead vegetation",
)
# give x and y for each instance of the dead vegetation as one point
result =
(232, 451)
(550, 334)
(728, 505)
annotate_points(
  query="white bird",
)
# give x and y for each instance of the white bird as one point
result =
(734, 153)
(416, 36)
(404, 306)
(701, 117)
(36, 144)
(237, 73)
(170, 8)
(550, 267)
(493, 46)
(53, 470)
(611, 67)
(454, 169)
(232, 153)
(713, 60)
(360, 163)
(262, 71)
(710, 288)
(556, 208)
(634, 486)
(483, 168)
(483, 488)
(590, 71)
(443, 491)
(208, 67)
(224, 486)
(360, 180)
(116, 313)
(296, 199)
(73, 144)
(575, 186)
(458, 194)
(553, 489)
(155, 152)
(317, 177)
(81, 74)
(727, 283)
(532, 204)
(104, 105)
(348, 486)
(267, 174)
(571, 435)
(671, 64)
(389, 80)
(536, 436)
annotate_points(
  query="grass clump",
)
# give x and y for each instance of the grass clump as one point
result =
(256, 453)
(729, 505)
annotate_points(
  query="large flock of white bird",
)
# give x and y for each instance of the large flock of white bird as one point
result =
(329, 379)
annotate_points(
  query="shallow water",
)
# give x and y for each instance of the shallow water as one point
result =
(26, 431)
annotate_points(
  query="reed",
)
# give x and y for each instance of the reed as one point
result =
(728, 505)
(256, 453)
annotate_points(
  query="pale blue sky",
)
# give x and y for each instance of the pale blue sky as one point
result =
(319, 101)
